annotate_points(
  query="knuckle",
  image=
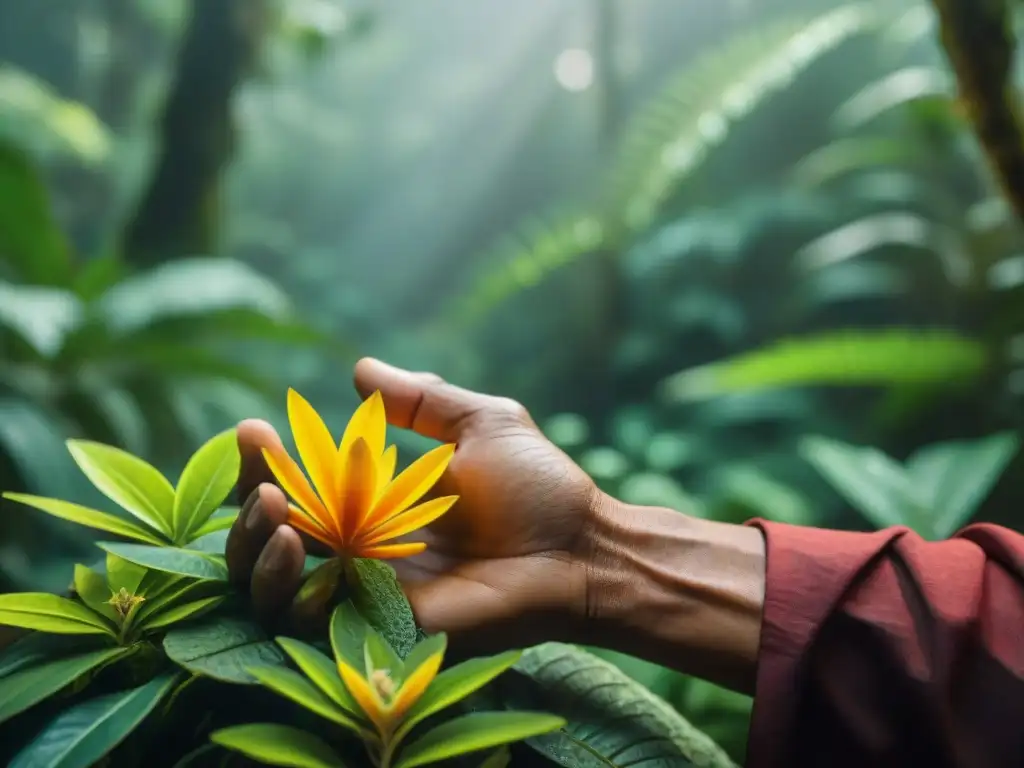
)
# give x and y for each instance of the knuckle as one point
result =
(512, 409)
(430, 379)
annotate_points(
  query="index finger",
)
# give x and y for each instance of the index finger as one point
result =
(253, 436)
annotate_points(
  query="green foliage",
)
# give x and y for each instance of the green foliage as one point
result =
(377, 595)
(275, 744)
(223, 648)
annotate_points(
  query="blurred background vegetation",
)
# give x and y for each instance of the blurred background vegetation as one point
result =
(709, 245)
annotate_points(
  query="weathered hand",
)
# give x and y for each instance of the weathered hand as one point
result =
(504, 567)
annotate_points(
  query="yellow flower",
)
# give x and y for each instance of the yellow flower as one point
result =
(355, 504)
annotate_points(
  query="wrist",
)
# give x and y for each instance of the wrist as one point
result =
(675, 590)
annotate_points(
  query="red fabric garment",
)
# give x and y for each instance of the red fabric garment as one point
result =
(883, 649)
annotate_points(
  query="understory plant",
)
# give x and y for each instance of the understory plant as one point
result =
(154, 657)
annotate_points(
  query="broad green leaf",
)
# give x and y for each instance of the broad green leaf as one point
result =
(29, 686)
(223, 648)
(122, 574)
(474, 732)
(876, 485)
(954, 478)
(614, 721)
(183, 562)
(179, 613)
(34, 648)
(379, 598)
(181, 591)
(128, 481)
(90, 518)
(94, 591)
(49, 613)
(456, 683)
(348, 633)
(215, 524)
(295, 687)
(213, 543)
(275, 744)
(205, 483)
(321, 670)
(79, 737)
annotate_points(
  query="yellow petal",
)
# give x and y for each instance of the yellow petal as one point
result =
(294, 483)
(389, 551)
(386, 468)
(360, 487)
(408, 521)
(415, 685)
(365, 696)
(301, 521)
(316, 448)
(368, 422)
(408, 487)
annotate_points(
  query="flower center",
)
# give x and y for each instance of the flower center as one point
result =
(123, 602)
(383, 685)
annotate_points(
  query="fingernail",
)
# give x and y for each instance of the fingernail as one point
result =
(274, 556)
(247, 505)
(254, 519)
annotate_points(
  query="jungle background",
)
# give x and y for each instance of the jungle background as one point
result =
(718, 249)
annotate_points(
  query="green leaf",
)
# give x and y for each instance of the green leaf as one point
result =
(295, 687)
(348, 633)
(82, 735)
(90, 518)
(456, 683)
(94, 591)
(179, 613)
(180, 592)
(27, 687)
(876, 485)
(50, 613)
(124, 575)
(223, 648)
(183, 562)
(378, 655)
(424, 650)
(954, 478)
(128, 481)
(379, 598)
(875, 358)
(34, 648)
(614, 721)
(215, 524)
(275, 744)
(502, 758)
(473, 732)
(208, 478)
(322, 671)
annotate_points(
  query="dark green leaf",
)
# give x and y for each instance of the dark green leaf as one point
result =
(183, 562)
(34, 648)
(223, 648)
(278, 745)
(181, 612)
(474, 732)
(82, 735)
(379, 598)
(205, 483)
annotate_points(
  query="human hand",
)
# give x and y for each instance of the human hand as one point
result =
(505, 567)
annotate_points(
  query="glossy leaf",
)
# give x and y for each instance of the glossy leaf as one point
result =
(297, 688)
(50, 613)
(122, 574)
(128, 481)
(322, 671)
(34, 648)
(27, 687)
(182, 612)
(180, 592)
(379, 599)
(474, 732)
(79, 737)
(215, 524)
(348, 634)
(90, 518)
(183, 562)
(93, 589)
(954, 478)
(208, 478)
(223, 648)
(275, 744)
(876, 485)
(613, 719)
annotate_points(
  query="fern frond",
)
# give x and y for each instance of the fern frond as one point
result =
(847, 358)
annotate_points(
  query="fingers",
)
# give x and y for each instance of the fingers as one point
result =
(253, 436)
(263, 513)
(425, 403)
(277, 575)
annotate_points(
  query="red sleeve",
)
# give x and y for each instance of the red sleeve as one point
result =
(882, 649)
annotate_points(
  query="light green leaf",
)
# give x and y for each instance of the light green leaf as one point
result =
(425, 649)
(502, 758)
(275, 744)
(223, 648)
(50, 613)
(90, 518)
(456, 683)
(27, 687)
(378, 655)
(183, 562)
(322, 671)
(614, 721)
(181, 612)
(473, 732)
(379, 598)
(876, 485)
(128, 481)
(94, 591)
(124, 575)
(348, 633)
(208, 478)
(215, 524)
(954, 478)
(295, 687)
(79, 737)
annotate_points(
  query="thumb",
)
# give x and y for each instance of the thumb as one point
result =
(253, 436)
(427, 404)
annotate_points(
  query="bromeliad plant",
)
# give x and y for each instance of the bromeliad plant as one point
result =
(165, 608)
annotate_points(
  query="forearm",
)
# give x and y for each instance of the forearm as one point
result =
(677, 591)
